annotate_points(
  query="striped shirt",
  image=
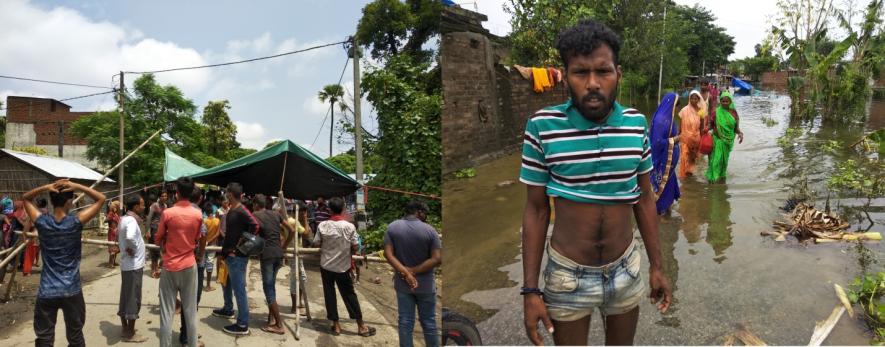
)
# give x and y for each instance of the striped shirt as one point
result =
(580, 160)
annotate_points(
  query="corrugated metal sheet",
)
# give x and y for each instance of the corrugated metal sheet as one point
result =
(57, 167)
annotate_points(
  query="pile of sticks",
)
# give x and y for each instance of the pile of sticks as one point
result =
(808, 223)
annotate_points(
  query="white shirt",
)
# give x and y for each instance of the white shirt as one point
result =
(129, 236)
(336, 238)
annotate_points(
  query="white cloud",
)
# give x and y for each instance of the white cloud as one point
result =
(149, 54)
(63, 45)
(251, 135)
(314, 108)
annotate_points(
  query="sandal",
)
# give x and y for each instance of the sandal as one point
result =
(135, 339)
(333, 332)
(370, 331)
(272, 329)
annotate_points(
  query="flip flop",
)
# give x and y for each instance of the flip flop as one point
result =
(271, 330)
(135, 339)
(369, 332)
(333, 332)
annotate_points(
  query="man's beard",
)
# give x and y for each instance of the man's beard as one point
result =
(598, 114)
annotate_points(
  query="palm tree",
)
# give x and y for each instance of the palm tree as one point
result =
(333, 93)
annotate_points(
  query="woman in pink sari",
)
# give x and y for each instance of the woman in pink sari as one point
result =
(690, 133)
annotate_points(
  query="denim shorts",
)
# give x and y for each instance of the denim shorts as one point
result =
(572, 291)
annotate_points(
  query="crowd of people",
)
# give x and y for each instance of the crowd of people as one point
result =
(182, 221)
(676, 148)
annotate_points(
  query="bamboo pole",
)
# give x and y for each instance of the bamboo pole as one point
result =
(14, 253)
(120, 163)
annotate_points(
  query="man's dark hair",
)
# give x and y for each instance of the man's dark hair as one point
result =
(58, 199)
(235, 189)
(42, 203)
(132, 201)
(336, 204)
(584, 38)
(415, 205)
(185, 186)
(260, 200)
(196, 195)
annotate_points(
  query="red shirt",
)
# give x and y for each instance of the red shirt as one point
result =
(178, 233)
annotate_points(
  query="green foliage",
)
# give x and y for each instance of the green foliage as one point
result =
(409, 135)
(687, 40)
(31, 149)
(373, 238)
(406, 93)
(347, 162)
(791, 135)
(465, 173)
(833, 146)
(754, 67)
(861, 178)
(222, 133)
(866, 291)
(391, 27)
(830, 86)
(149, 108)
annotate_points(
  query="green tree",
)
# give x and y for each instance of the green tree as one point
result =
(149, 108)
(390, 27)
(406, 93)
(686, 39)
(332, 93)
(347, 162)
(409, 135)
(222, 133)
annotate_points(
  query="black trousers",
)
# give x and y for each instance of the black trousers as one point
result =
(46, 313)
(345, 287)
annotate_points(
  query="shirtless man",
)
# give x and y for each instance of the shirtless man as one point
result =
(592, 155)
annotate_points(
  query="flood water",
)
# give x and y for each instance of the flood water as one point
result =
(723, 272)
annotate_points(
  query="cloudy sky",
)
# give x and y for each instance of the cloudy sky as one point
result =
(748, 20)
(89, 41)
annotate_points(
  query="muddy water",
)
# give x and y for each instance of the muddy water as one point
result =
(723, 272)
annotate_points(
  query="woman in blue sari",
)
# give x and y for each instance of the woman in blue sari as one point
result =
(664, 138)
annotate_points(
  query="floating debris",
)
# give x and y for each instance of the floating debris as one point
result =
(806, 223)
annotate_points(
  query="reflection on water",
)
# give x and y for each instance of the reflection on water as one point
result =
(779, 290)
(719, 227)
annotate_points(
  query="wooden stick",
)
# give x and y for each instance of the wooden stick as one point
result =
(823, 328)
(14, 253)
(748, 338)
(118, 164)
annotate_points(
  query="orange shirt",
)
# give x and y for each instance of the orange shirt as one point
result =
(177, 234)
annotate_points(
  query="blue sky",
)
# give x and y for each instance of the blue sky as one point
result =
(88, 41)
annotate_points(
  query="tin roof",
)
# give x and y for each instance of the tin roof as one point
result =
(57, 167)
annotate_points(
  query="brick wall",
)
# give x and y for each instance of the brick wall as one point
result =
(44, 114)
(776, 80)
(485, 104)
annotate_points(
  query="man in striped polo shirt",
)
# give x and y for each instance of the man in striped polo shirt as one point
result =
(592, 155)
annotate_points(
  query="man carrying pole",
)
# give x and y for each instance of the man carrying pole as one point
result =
(59, 234)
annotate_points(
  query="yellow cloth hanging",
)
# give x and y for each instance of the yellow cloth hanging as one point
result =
(540, 80)
(222, 273)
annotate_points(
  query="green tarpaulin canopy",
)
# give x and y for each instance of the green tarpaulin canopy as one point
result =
(307, 176)
(177, 166)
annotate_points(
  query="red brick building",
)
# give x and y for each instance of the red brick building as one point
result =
(44, 123)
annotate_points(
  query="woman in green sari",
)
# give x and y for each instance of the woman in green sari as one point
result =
(725, 125)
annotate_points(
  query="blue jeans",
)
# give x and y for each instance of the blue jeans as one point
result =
(269, 269)
(426, 304)
(236, 286)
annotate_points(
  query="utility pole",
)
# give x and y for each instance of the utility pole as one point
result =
(331, 126)
(122, 153)
(61, 139)
(661, 71)
(358, 126)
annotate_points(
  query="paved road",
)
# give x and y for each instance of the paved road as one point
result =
(102, 327)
